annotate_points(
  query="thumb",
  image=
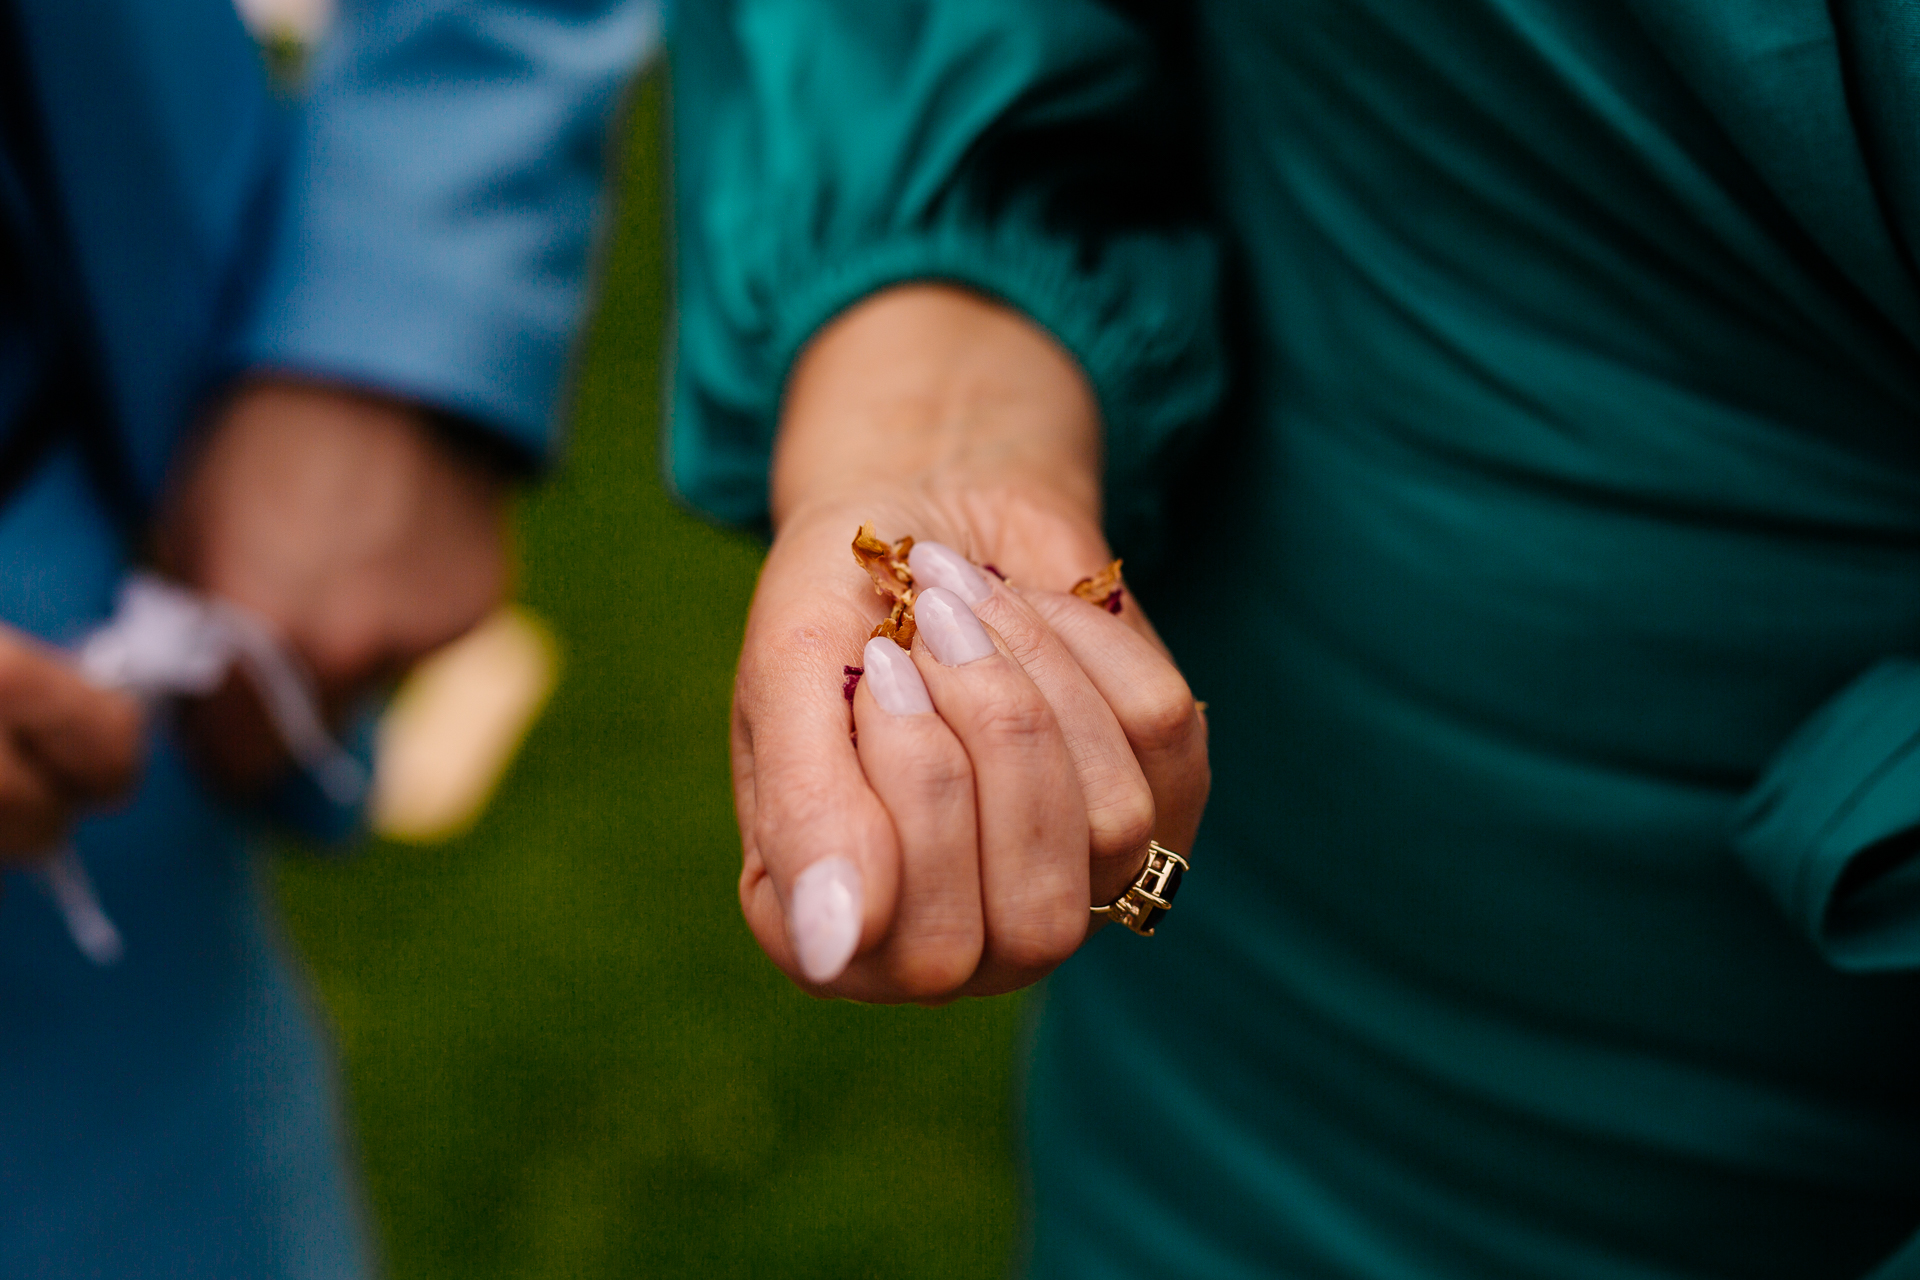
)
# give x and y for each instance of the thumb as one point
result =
(821, 872)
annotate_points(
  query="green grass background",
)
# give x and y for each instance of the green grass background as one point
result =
(565, 1055)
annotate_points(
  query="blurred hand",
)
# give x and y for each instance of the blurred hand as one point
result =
(361, 535)
(1010, 771)
(63, 744)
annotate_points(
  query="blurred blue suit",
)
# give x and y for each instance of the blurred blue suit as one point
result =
(420, 224)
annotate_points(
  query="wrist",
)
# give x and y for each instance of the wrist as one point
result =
(927, 391)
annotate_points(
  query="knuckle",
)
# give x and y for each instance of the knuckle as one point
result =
(932, 966)
(774, 825)
(1160, 714)
(1013, 716)
(1122, 824)
(795, 812)
(793, 788)
(1041, 944)
(1018, 628)
(936, 762)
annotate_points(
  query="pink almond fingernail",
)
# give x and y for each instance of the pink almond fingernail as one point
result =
(951, 631)
(935, 564)
(894, 680)
(823, 917)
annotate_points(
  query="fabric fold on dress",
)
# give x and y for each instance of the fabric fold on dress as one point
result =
(1832, 829)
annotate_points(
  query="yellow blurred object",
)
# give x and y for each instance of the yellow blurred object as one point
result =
(455, 724)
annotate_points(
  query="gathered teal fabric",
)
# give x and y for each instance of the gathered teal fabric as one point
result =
(1828, 828)
(1018, 149)
(1518, 405)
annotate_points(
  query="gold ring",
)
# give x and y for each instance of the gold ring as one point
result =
(1150, 896)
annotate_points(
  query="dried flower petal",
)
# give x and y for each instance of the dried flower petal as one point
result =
(899, 628)
(853, 675)
(1103, 588)
(892, 579)
(886, 565)
(994, 571)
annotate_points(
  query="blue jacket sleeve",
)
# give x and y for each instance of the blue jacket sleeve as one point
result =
(1042, 152)
(439, 210)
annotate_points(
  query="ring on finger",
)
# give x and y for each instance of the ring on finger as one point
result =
(1150, 896)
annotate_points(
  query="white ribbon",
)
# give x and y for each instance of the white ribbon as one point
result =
(165, 641)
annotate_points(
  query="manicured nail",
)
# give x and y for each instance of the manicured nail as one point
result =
(952, 632)
(823, 917)
(895, 681)
(936, 565)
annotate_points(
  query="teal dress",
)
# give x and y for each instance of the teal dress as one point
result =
(1552, 370)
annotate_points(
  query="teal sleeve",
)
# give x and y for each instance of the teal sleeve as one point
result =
(1832, 830)
(1039, 151)
(440, 206)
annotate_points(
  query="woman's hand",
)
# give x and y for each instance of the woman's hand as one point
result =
(1009, 770)
(63, 744)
